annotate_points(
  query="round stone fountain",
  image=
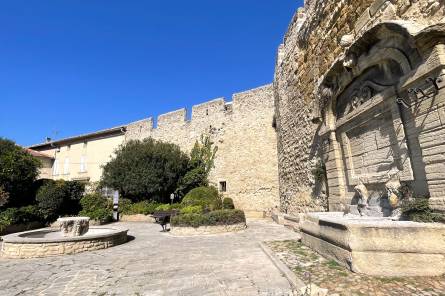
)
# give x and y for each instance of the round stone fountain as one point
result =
(74, 236)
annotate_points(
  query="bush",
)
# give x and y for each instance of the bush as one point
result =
(23, 215)
(146, 168)
(191, 210)
(97, 207)
(4, 197)
(219, 217)
(228, 203)
(59, 198)
(144, 207)
(18, 171)
(418, 210)
(206, 197)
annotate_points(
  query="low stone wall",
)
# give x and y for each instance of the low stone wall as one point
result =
(377, 247)
(22, 250)
(136, 218)
(202, 230)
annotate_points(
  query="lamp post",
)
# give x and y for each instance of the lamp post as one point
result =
(172, 197)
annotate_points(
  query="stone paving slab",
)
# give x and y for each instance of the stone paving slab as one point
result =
(156, 263)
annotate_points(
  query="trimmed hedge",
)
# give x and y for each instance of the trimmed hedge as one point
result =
(219, 217)
(228, 203)
(145, 207)
(206, 197)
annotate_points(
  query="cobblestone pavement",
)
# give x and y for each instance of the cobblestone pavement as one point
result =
(327, 274)
(157, 263)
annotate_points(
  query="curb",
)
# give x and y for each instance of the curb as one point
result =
(295, 283)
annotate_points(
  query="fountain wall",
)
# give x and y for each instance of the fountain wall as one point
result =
(359, 100)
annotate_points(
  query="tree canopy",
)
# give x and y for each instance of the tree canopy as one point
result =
(146, 170)
(18, 171)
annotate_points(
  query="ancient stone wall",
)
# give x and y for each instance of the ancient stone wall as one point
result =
(321, 39)
(243, 131)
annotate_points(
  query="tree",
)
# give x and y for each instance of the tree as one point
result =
(201, 163)
(60, 198)
(146, 170)
(18, 171)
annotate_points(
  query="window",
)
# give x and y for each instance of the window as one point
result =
(68, 148)
(66, 166)
(56, 167)
(222, 186)
(83, 164)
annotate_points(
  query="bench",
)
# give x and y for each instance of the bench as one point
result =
(163, 218)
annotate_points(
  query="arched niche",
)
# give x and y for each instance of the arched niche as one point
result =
(363, 123)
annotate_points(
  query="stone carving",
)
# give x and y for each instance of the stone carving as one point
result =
(74, 226)
(350, 61)
(393, 190)
(363, 198)
(432, 6)
(358, 98)
(346, 40)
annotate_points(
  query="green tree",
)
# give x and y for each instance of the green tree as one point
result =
(146, 170)
(18, 171)
(202, 160)
(59, 198)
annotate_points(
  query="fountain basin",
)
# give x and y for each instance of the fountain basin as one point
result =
(49, 242)
(377, 246)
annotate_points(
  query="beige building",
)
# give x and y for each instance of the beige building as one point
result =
(81, 157)
(246, 166)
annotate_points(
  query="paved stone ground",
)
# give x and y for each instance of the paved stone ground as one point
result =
(327, 274)
(157, 263)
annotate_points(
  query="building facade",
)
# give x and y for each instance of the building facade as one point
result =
(246, 164)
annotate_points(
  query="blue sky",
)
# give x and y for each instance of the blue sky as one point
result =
(71, 67)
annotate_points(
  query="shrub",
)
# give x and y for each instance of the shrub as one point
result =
(18, 171)
(163, 207)
(21, 215)
(4, 197)
(97, 207)
(206, 197)
(228, 203)
(146, 168)
(144, 207)
(418, 210)
(59, 198)
(219, 217)
(191, 210)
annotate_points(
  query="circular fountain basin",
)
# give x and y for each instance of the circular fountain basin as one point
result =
(50, 242)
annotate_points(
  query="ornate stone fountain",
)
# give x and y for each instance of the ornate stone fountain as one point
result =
(74, 236)
(74, 226)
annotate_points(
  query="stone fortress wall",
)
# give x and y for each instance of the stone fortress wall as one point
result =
(243, 131)
(381, 50)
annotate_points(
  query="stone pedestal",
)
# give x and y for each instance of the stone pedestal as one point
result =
(74, 226)
(377, 246)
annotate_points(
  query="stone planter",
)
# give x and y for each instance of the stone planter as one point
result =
(203, 230)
